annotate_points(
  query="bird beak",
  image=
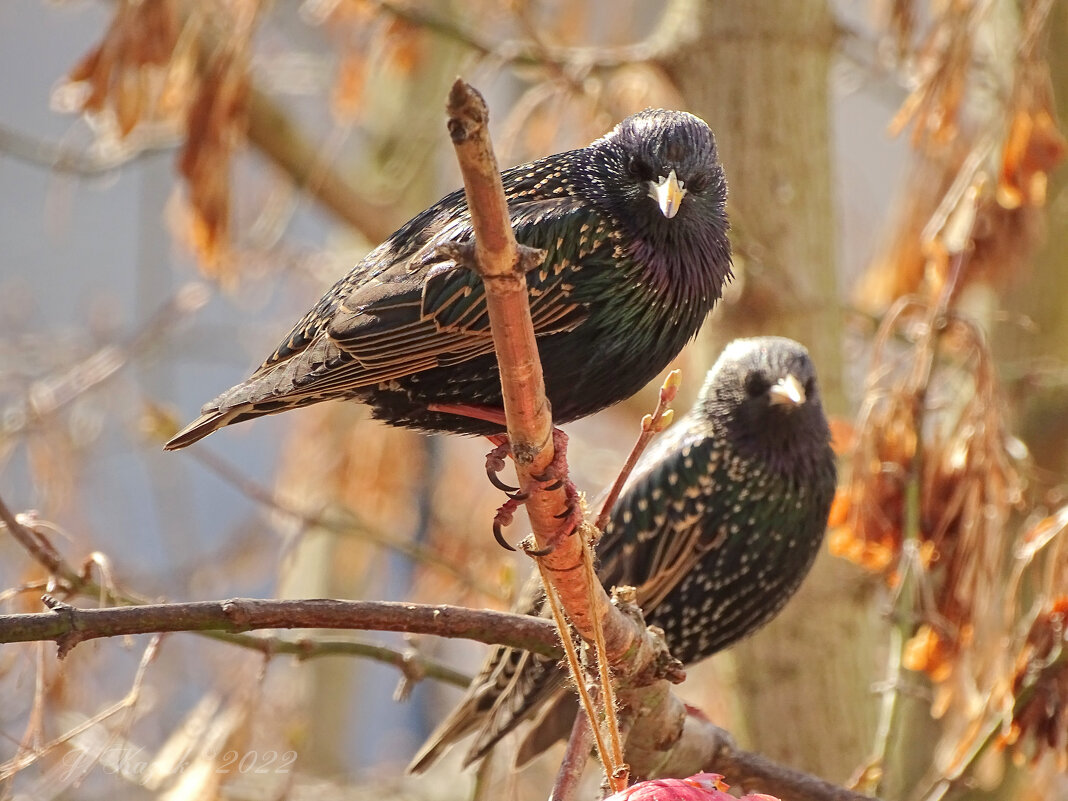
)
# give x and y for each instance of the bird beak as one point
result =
(787, 392)
(668, 193)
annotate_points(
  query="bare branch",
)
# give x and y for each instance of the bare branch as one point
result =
(68, 625)
(652, 424)
(526, 409)
(578, 60)
(61, 159)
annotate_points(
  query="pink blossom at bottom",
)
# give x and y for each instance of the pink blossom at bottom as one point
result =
(699, 787)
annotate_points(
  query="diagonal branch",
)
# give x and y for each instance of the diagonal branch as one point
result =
(501, 263)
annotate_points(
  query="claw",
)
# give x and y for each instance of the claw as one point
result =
(564, 515)
(518, 495)
(499, 536)
(501, 519)
(555, 485)
(494, 464)
(536, 552)
(496, 482)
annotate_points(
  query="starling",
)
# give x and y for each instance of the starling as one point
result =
(634, 231)
(716, 527)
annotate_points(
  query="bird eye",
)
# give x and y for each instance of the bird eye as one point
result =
(756, 384)
(639, 168)
(698, 183)
(810, 386)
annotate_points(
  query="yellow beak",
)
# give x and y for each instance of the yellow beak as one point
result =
(787, 391)
(668, 193)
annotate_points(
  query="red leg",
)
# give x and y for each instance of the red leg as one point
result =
(490, 414)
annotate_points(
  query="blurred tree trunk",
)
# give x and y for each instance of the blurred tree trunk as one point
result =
(804, 698)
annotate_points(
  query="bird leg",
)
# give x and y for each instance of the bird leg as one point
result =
(491, 414)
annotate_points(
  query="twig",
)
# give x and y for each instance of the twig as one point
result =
(39, 547)
(586, 706)
(304, 648)
(565, 788)
(60, 159)
(410, 662)
(652, 424)
(69, 625)
(50, 393)
(23, 760)
(665, 35)
(619, 774)
(698, 746)
(755, 771)
(280, 139)
(915, 387)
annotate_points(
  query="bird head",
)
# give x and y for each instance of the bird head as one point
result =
(764, 392)
(659, 167)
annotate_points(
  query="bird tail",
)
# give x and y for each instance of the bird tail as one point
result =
(512, 686)
(209, 421)
(463, 720)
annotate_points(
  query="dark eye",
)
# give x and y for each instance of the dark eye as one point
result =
(810, 386)
(698, 183)
(639, 168)
(756, 385)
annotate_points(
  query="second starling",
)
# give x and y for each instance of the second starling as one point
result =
(716, 528)
(634, 231)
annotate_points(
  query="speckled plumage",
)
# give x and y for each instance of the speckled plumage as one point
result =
(627, 279)
(716, 528)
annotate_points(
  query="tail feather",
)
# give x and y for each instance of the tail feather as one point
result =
(455, 727)
(496, 701)
(209, 421)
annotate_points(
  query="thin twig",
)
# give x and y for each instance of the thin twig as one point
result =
(411, 663)
(24, 760)
(60, 159)
(52, 392)
(665, 35)
(652, 424)
(587, 706)
(616, 768)
(38, 547)
(304, 648)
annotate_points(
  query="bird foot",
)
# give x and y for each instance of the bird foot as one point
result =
(502, 518)
(554, 476)
(495, 461)
(556, 472)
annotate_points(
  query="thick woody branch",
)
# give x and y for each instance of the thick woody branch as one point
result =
(68, 625)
